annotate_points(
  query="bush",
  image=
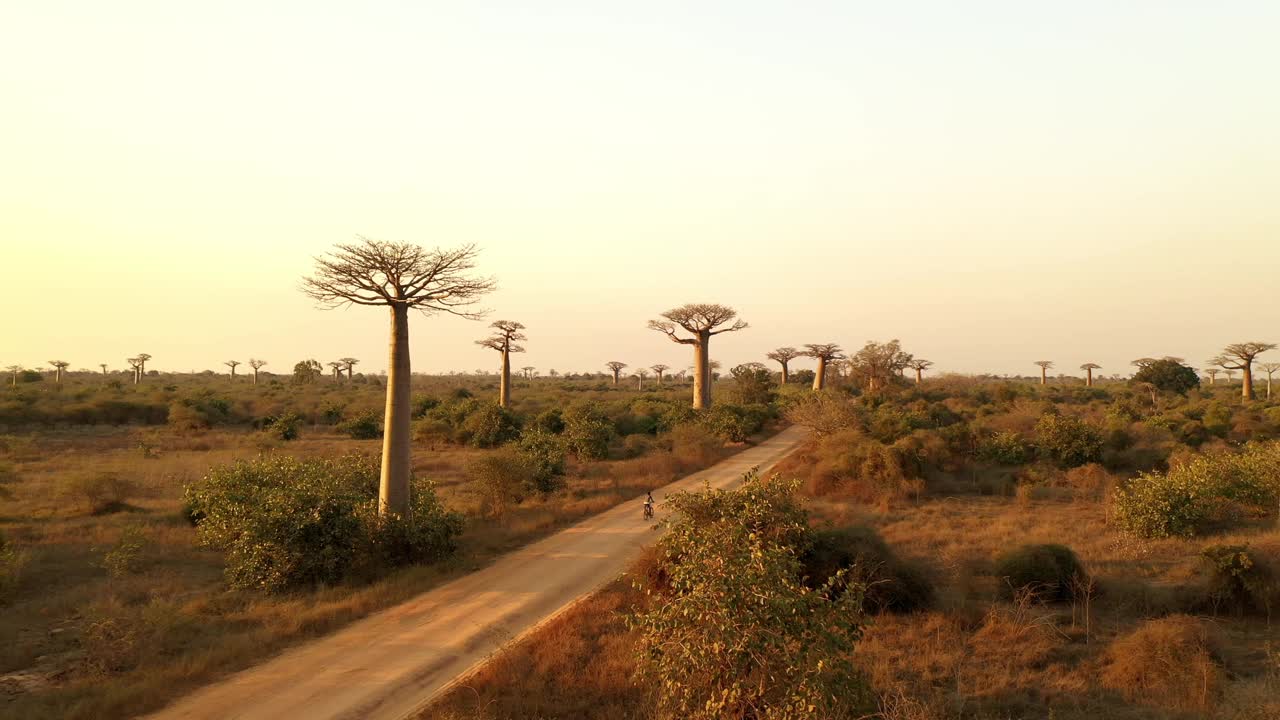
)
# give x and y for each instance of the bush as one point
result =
(1169, 376)
(544, 454)
(284, 426)
(490, 426)
(852, 463)
(695, 444)
(1068, 441)
(285, 522)
(1004, 448)
(1237, 579)
(1168, 663)
(1049, 572)
(365, 426)
(891, 584)
(1199, 493)
(124, 558)
(634, 446)
(824, 413)
(551, 421)
(12, 564)
(587, 432)
(735, 423)
(103, 491)
(503, 477)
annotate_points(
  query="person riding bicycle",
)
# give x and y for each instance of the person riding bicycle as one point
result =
(648, 504)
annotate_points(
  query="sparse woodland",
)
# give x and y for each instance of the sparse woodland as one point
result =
(941, 547)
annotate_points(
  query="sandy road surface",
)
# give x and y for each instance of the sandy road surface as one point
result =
(390, 664)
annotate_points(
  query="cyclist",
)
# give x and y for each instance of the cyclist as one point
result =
(648, 504)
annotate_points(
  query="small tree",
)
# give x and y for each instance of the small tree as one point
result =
(58, 367)
(702, 321)
(400, 277)
(232, 364)
(878, 363)
(142, 364)
(1213, 375)
(824, 354)
(307, 371)
(659, 370)
(783, 356)
(1269, 368)
(615, 367)
(1089, 368)
(920, 365)
(1168, 375)
(505, 337)
(104, 368)
(1044, 370)
(349, 364)
(335, 369)
(640, 375)
(256, 365)
(529, 372)
(136, 364)
(14, 370)
(1240, 356)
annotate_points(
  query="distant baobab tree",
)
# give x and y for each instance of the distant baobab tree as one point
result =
(256, 365)
(142, 365)
(104, 368)
(824, 353)
(1231, 375)
(703, 321)
(58, 367)
(1240, 356)
(1044, 370)
(920, 365)
(782, 356)
(402, 277)
(640, 375)
(335, 369)
(14, 371)
(232, 364)
(349, 364)
(1213, 375)
(505, 339)
(1142, 362)
(529, 371)
(136, 364)
(1269, 368)
(1089, 368)
(615, 367)
(659, 370)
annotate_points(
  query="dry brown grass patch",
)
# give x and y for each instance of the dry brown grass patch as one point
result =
(1168, 663)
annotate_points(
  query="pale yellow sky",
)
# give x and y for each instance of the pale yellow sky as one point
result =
(992, 182)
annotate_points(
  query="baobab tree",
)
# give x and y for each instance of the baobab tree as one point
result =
(256, 365)
(640, 375)
(824, 353)
(920, 365)
(1269, 368)
(349, 364)
(1213, 375)
(782, 356)
(615, 367)
(505, 339)
(659, 370)
(878, 362)
(335, 369)
(1089, 368)
(142, 365)
(232, 364)
(529, 371)
(14, 371)
(136, 364)
(1044, 370)
(104, 368)
(401, 277)
(702, 321)
(1240, 356)
(58, 367)
(1142, 362)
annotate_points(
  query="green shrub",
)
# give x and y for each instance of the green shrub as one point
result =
(891, 584)
(1169, 376)
(284, 426)
(365, 426)
(284, 522)
(551, 421)
(1068, 441)
(1205, 490)
(490, 426)
(735, 423)
(124, 558)
(503, 478)
(1238, 579)
(1049, 572)
(1004, 448)
(587, 432)
(103, 491)
(695, 444)
(12, 564)
(544, 454)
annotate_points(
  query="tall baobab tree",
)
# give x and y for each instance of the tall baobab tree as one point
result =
(256, 365)
(348, 364)
(615, 367)
(136, 364)
(232, 364)
(505, 339)
(335, 369)
(58, 367)
(529, 371)
(1089, 368)
(1269, 368)
(824, 353)
(401, 277)
(659, 370)
(703, 321)
(782, 356)
(1213, 375)
(13, 371)
(920, 365)
(640, 375)
(104, 368)
(1239, 356)
(1044, 370)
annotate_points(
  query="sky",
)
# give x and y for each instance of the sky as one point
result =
(992, 182)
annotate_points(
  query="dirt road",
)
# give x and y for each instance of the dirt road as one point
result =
(389, 665)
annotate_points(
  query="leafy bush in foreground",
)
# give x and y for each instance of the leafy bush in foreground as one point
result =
(285, 522)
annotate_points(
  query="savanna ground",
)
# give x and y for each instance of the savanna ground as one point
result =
(112, 607)
(953, 475)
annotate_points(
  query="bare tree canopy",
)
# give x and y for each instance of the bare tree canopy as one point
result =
(615, 367)
(1240, 356)
(402, 276)
(824, 353)
(783, 356)
(506, 335)
(877, 363)
(702, 321)
(1089, 368)
(257, 364)
(376, 272)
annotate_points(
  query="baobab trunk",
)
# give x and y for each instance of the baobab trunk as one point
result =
(255, 377)
(1044, 376)
(1246, 385)
(393, 486)
(785, 375)
(820, 375)
(919, 375)
(640, 382)
(615, 376)
(1089, 377)
(504, 383)
(701, 375)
